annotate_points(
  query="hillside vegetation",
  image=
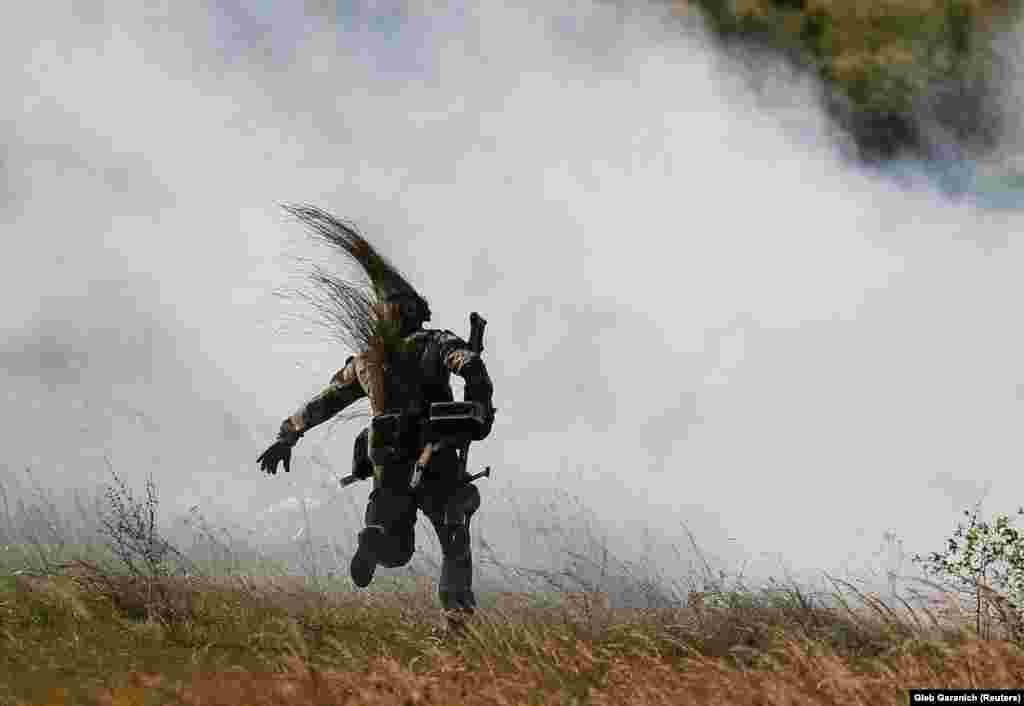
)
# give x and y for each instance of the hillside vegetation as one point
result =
(127, 618)
(69, 640)
(901, 75)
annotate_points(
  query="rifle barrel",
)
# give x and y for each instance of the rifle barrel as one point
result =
(349, 480)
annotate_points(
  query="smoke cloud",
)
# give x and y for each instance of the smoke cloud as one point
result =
(700, 314)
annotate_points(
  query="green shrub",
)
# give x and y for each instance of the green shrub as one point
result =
(891, 59)
(985, 560)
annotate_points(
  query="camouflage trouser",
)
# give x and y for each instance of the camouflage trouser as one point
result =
(449, 504)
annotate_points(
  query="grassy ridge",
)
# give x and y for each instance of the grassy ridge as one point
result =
(92, 621)
(888, 63)
(64, 640)
(85, 622)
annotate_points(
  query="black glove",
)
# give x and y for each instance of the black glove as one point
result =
(280, 450)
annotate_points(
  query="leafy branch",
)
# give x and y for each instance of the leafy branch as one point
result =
(981, 555)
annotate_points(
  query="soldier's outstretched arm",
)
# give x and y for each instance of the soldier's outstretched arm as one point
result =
(343, 390)
(462, 360)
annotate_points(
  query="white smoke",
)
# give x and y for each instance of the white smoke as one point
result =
(699, 313)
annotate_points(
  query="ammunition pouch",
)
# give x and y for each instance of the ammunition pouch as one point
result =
(387, 432)
(362, 466)
(457, 422)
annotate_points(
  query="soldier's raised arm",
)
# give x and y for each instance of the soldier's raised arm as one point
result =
(461, 359)
(343, 390)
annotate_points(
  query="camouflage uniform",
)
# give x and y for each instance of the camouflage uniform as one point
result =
(408, 381)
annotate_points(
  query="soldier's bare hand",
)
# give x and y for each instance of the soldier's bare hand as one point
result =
(277, 452)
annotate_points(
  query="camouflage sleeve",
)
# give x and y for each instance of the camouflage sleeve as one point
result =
(459, 358)
(343, 390)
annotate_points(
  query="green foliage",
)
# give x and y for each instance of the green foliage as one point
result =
(981, 551)
(985, 559)
(878, 59)
(880, 55)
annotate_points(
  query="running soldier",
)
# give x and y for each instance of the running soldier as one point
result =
(403, 369)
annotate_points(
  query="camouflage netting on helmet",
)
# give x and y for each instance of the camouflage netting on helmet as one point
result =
(372, 313)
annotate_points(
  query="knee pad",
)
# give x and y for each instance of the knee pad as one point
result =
(461, 506)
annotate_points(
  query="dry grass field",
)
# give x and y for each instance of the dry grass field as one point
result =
(79, 627)
(72, 639)
(91, 637)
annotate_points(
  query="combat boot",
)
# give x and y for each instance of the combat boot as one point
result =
(457, 608)
(456, 623)
(364, 561)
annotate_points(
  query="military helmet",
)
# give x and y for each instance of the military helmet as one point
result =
(412, 309)
(349, 306)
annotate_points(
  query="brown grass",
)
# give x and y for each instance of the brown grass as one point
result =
(67, 640)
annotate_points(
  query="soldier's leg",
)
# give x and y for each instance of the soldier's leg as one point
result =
(395, 513)
(389, 536)
(458, 510)
(451, 513)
